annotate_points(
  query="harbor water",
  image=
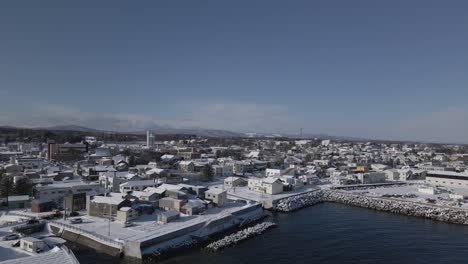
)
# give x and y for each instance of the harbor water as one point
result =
(332, 233)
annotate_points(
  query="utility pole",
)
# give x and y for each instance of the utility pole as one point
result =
(110, 215)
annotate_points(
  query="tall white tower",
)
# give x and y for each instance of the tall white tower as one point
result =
(149, 139)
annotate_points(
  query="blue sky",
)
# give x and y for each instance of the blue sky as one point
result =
(378, 69)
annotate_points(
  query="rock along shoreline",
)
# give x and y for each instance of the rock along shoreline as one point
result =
(239, 236)
(433, 212)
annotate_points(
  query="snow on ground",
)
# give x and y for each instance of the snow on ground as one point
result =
(5, 219)
(146, 226)
(6, 250)
(245, 193)
(410, 192)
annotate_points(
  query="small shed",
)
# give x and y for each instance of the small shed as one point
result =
(19, 202)
(39, 206)
(31, 244)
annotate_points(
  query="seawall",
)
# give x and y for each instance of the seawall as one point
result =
(434, 212)
(81, 239)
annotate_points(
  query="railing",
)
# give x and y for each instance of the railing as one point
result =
(93, 235)
(20, 215)
(12, 223)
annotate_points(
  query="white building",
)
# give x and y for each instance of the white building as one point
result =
(230, 182)
(447, 178)
(427, 190)
(32, 244)
(269, 185)
(138, 185)
(31, 163)
(57, 191)
(112, 180)
(371, 177)
(149, 139)
(217, 196)
(273, 172)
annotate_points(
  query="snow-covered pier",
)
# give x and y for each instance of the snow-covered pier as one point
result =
(239, 236)
(411, 208)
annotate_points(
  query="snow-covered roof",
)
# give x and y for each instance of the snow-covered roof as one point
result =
(167, 156)
(112, 198)
(231, 179)
(270, 180)
(194, 203)
(31, 239)
(54, 256)
(170, 186)
(65, 185)
(18, 198)
(152, 190)
(155, 170)
(125, 209)
(447, 173)
(139, 183)
(215, 191)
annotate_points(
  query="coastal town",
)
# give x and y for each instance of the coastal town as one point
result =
(148, 195)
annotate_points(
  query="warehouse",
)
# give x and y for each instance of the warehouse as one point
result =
(447, 178)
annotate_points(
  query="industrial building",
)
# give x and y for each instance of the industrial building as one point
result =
(447, 178)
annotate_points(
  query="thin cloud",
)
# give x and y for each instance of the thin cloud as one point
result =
(445, 125)
(227, 116)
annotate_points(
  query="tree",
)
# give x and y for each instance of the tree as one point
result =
(6, 187)
(126, 152)
(131, 161)
(23, 187)
(208, 172)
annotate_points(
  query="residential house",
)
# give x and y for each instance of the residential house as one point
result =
(269, 185)
(217, 196)
(231, 182)
(187, 166)
(137, 185)
(103, 206)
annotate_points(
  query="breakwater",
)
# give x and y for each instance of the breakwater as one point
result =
(434, 212)
(239, 236)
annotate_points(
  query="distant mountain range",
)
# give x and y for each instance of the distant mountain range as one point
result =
(182, 131)
(199, 132)
(155, 130)
(70, 128)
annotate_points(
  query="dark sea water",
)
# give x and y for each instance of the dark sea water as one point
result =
(334, 233)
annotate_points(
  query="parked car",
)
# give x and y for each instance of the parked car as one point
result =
(128, 224)
(10, 237)
(76, 221)
(32, 222)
